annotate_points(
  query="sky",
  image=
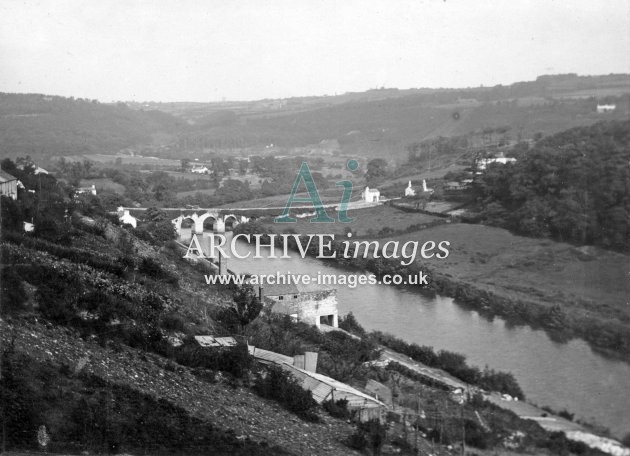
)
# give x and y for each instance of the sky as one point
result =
(213, 50)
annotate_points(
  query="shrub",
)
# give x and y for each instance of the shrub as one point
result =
(370, 434)
(280, 386)
(153, 269)
(350, 324)
(233, 360)
(173, 322)
(12, 291)
(337, 409)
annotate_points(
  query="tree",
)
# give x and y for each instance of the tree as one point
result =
(247, 305)
(376, 171)
(11, 291)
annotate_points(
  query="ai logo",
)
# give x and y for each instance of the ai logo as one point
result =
(313, 197)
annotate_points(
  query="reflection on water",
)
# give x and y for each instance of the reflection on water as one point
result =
(561, 375)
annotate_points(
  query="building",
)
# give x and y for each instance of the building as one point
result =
(126, 218)
(85, 190)
(200, 169)
(36, 169)
(310, 304)
(426, 189)
(371, 195)
(482, 163)
(410, 191)
(323, 388)
(605, 108)
(8, 185)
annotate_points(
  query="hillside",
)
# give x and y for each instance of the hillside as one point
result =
(46, 126)
(379, 122)
(385, 121)
(97, 341)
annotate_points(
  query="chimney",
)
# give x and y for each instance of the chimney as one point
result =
(298, 361)
(310, 361)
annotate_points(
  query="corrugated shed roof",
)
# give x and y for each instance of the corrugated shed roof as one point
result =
(269, 356)
(321, 387)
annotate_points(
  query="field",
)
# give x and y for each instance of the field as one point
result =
(104, 184)
(586, 279)
(368, 221)
(127, 160)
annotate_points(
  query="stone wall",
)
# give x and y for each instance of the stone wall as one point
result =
(307, 306)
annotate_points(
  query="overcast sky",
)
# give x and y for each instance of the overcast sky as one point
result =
(209, 50)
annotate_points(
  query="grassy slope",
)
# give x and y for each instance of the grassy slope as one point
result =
(373, 218)
(222, 405)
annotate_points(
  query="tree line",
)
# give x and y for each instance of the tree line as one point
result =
(573, 187)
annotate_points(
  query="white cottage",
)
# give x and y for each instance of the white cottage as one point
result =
(126, 218)
(371, 195)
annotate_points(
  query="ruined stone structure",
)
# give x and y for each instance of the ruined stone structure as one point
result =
(312, 305)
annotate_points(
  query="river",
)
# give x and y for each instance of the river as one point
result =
(561, 375)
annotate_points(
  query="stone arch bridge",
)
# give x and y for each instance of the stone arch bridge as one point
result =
(219, 221)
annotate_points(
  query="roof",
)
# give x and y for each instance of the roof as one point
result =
(6, 177)
(211, 341)
(323, 388)
(269, 356)
(291, 289)
(319, 385)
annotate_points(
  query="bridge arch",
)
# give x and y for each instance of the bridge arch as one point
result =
(230, 221)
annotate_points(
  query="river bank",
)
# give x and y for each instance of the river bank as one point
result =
(568, 291)
(563, 375)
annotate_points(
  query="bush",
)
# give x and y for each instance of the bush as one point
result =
(370, 434)
(350, 324)
(337, 409)
(12, 291)
(153, 269)
(234, 360)
(173, 322)
(280, 386)
(475, 435)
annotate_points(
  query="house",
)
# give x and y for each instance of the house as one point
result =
(200, 169)
(8, 185)
(425, 189)
(308, 303)
(36, 169)
(482, 163)
(85, 190)
(125, 218)
(410, 191)
(605, 108)
(371, 195)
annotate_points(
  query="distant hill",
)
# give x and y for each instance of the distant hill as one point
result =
(376, 123)
(384, 121)
(43, 126)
